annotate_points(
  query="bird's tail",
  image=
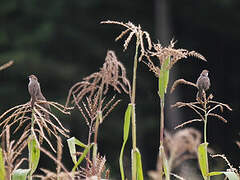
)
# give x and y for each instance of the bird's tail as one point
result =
(200, 94)
(33, 100)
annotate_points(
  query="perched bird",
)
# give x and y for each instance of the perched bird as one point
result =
(36, 93)
(203, 83)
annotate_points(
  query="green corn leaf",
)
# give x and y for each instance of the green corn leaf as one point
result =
(72, 142)
(2, 166)
(33, 153)
(81, 158)
(230, 175)
(139, 165)
(127, 119)
(203, 159)
(163, 78)
(165, 163)
(20, 174)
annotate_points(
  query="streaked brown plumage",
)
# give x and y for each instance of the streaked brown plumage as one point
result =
(36, 93)
(203, 83)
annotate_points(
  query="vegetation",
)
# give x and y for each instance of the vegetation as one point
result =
(92, 98)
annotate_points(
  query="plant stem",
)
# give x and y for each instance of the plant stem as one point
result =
(95, 139)
(205, 135)
(161, 135)
(32, 129)
(161, 122)
(133, 96)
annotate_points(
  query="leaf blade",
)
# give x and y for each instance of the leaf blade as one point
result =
(34, 154)
(72, 142)
(2, 166)
(163, 78)
(126, 127)
(139, 165)
(203, 159)
(20, 174)
(86, 150)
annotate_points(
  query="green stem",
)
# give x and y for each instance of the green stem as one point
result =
(161, 135)
(133, 96)
(161, 121)
(205, 128)
(205, 136)
(32, 129)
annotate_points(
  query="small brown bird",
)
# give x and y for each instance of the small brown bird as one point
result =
(203, 83)
(36, 93)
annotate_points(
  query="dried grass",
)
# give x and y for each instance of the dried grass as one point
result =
(95, 169)
(199, 107)
(133, 30)
(181, 81)
(34, 120)
(163, 53)
(112, 73)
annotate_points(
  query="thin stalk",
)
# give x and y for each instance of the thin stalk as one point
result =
(161, 135)
(161, 122)
(134, 141)
(95, 139)
(32, 128)
(205, 135)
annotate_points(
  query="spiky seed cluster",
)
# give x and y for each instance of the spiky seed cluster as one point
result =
(114, 73)
(24, 115)
(95, 170)
(163, 53)
(201, 107)
(181, 81)
(133, 30)
(94, 86)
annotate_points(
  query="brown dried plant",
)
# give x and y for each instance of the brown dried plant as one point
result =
(6, 65)
(90, 98)
(97, 84)
(163, 53)
(34, 121)
(12, 151)
(181, 81)
(96, 171)
(133, 30)
(94, 87)
(203, 109)
(179, 147)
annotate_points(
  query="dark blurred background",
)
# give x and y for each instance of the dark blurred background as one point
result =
(62, 41)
